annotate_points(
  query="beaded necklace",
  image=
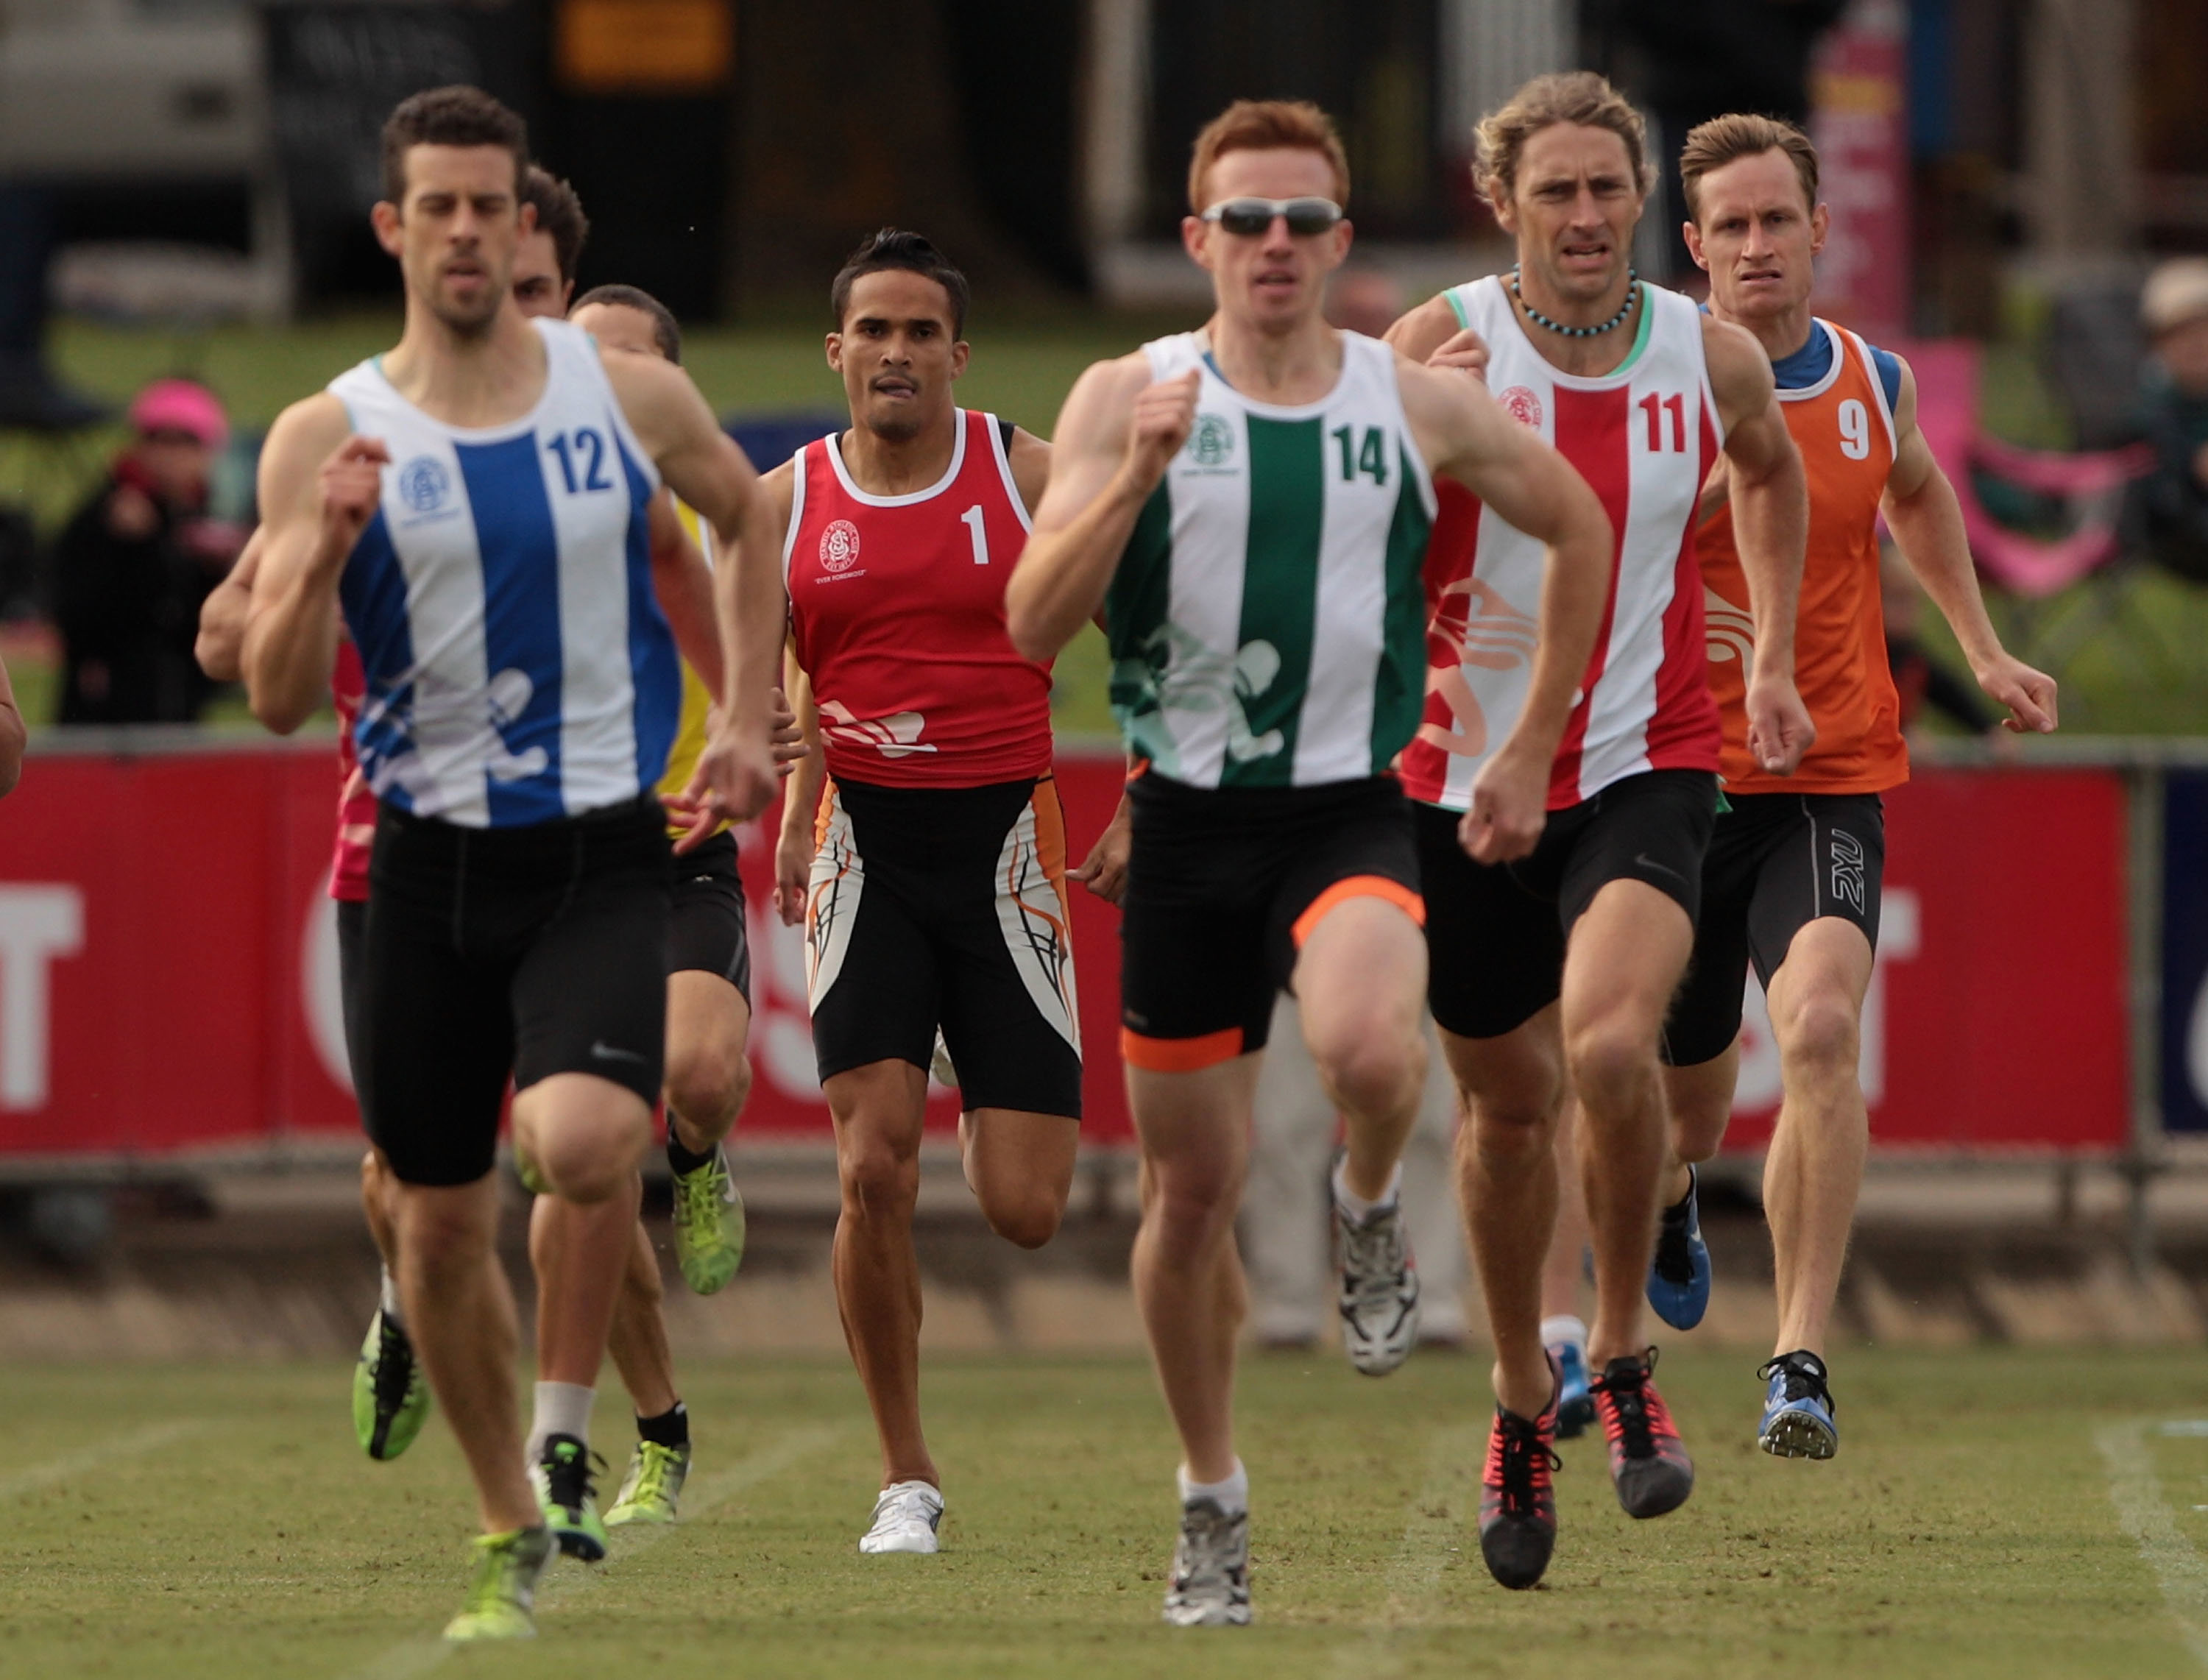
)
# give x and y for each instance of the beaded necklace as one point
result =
(1632, 291)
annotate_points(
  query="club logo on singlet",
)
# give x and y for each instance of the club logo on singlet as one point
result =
(1730, 632)
(1519, 403)
(424, 484)
(1473, 625)
(1211, 443)
(839, 547)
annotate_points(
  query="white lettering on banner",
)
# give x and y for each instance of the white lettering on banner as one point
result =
(322, 987)
(1758, 1088)
(37, 925)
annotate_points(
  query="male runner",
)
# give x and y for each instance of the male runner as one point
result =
(932, 883)
(1792, 881)
(521, 692)
(1561, 966)
(1251, 505)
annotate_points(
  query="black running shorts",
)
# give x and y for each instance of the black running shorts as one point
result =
(1777, 862)
(946, 908)
(491, 953)
(1496, 933)
(352, 930)
(706, 931)
(1223, 885)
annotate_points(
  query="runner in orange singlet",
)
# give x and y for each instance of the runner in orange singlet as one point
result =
(1792, 879)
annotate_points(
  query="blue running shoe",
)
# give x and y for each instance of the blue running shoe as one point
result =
(1797, 1416)
(1574, 1405)
(1679, 1277)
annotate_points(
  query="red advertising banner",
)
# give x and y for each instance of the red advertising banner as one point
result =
(1860, 93)
(168, 965)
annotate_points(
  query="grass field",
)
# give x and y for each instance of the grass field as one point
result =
(219, 1522)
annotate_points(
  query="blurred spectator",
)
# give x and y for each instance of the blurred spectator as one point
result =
(1686, 61)
(132, 567)
(1920, 680)
(1364, 300)
(2172, 505)
(1286, 1225)
(30, 396)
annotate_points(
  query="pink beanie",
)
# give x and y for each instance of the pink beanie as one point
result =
(180, 406)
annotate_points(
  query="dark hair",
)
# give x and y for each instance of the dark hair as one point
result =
(560, 213)
(1724, 140)
(664, 328)
(454, 116)
(893, 247)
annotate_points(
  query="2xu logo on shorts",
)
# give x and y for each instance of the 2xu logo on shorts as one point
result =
(1848, 870)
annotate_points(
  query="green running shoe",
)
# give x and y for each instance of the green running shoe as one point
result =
(561, 1476)
(655, 1481)
(390, 1397)
(709, 1225)
(532, 1180)
(504, 1592)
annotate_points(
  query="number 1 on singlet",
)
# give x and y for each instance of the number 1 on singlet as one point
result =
(974, 527)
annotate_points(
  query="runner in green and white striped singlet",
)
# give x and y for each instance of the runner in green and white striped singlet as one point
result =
(1267, 622)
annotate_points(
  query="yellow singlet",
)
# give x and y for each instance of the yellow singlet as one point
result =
(690, 726)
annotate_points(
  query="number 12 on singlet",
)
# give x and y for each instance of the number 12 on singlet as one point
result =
(979, 532)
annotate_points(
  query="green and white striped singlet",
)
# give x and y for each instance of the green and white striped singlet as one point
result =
(1266, 621)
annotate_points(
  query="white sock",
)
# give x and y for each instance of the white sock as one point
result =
(562, 1408)
(1231, 1495)
(389, 1300)
(1564, 1327)
(1355, 1206)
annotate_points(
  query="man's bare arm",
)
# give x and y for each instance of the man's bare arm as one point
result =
(219, 646)
(319, 487)
(1030, 462)
(1469, 439)
(1419, 334)
(1926, 517)
(1770, 496)
(684, 584)
(1115, 437)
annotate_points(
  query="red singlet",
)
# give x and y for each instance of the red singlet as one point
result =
(356, 804)
(897, 606)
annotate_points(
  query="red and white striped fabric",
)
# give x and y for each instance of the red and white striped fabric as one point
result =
(1644, 437)
(356, 804)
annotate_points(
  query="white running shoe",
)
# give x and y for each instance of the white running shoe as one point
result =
(906, 1518)
(1379, 1301)
(1211, 1586)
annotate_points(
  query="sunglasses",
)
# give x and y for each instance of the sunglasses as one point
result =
(1249, 217)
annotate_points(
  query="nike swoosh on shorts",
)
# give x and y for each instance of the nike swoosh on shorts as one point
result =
(606, 1053)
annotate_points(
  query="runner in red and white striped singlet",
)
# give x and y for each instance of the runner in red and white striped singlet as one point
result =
(1640, 394)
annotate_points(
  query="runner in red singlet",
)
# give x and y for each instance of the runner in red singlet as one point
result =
(1557, 969)
(931, 878)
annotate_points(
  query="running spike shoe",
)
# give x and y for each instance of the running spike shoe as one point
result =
(390, 1395)
(654, 1484)
(1517, 1496)
(1648, 1465)
(568, 1492)
(1210, 1582)
(502, 1597)
(1679, 1276)
(1379, 1299)
(1797, 1413)
(709, 1225)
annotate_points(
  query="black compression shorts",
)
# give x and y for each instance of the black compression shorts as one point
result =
(707, 932)
(1777, 862)
(488, 953)
(946, 908)
(1222, 886)
(1496, 933)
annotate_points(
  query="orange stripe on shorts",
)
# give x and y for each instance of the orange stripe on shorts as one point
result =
(1179, 1055)
(1359, 887)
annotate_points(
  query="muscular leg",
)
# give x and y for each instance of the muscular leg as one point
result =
(708, 1075)
(1360, 982)
(1194, 1130)
(1560, 1276)
(379, 1202)
(585, 1135)
(879, 1110)
(1506, 1155)
(1701, 1100)
(1813, 1171)
(1021, 1167)
(638, 1340)
(1623, 963)
(459, 1313)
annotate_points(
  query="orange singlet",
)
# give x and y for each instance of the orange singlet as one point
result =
(1846, 433)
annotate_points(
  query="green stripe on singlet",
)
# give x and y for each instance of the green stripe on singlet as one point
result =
(1280, 593)
(1135, 607)
(1399, 687)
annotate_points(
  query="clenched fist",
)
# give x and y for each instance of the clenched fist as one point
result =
(352, 488)
(1164, 415)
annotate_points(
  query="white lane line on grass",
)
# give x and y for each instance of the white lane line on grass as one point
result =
(411, 1657)
(2137, 1494)
(134, 1444)
(1439, 1519)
